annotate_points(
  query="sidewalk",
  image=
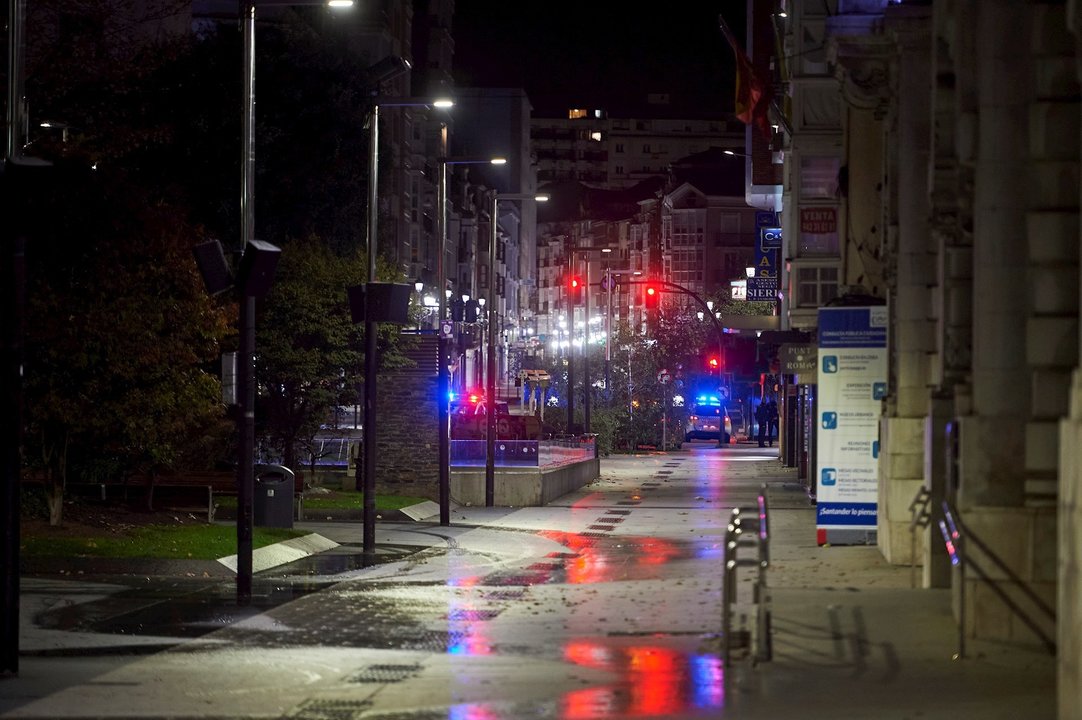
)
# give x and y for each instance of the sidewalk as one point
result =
(604, 604)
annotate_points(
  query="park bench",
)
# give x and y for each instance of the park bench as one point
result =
(211, 482)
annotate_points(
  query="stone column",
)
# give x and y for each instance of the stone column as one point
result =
(913, 339)
(1069, 576)
(1018, 213)
(992, 437)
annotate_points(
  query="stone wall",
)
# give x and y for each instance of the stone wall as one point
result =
(407, 437)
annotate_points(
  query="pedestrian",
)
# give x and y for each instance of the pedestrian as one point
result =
(772, 421)
(762, 416)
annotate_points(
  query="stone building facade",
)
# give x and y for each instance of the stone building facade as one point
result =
(959, 135)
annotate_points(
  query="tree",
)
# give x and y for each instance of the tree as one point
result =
(308, 350)
(121, 336)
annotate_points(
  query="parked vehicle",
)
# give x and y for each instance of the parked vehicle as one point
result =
(708, 419)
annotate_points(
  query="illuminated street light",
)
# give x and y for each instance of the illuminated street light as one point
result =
(382, 71)
(490, 450)
(444, 382)
(246, 320)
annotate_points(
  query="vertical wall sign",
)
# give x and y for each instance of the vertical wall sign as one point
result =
(852, 373)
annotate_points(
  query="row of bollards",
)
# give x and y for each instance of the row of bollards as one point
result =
(748, 527)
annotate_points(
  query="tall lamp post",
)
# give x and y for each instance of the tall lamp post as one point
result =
(245, 356)
(11, 313)
(490, 380)
(442, 336)
(371, 327)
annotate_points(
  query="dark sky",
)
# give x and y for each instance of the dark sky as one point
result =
(599, 53)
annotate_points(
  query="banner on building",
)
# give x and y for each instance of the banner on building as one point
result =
(852, 378)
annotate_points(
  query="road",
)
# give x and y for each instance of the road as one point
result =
(604, 604)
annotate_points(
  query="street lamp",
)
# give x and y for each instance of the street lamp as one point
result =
(246, 320)
(444, 294)
(370, 326)
(490, 449)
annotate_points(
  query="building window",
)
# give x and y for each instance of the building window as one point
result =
(819, 177)
(646, 148)
(619, 147)
(816, 285)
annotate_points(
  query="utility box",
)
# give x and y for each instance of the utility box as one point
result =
(273, 501)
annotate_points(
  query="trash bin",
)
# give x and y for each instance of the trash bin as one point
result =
(273, 506)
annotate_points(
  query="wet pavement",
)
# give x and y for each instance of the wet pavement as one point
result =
(603, 604)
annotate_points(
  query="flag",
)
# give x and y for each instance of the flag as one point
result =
(753, 96)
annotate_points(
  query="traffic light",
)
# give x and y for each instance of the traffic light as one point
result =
(651, 296)
(713, 363)
(574, 289)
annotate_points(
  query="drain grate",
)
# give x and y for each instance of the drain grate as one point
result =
(544, 566)
(330, 710)
(597, 527)
(384, 674)
(629, 502)
(419, 715)
(473, 615)
(564, 555)
(663, 472)
(610, 520)
(504, 595)
(595, 534)
(617, 512)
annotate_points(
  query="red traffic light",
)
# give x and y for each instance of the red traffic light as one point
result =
(575, 283)
(713, 362)
(651, 294)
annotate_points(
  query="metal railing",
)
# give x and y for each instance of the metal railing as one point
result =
(919, 518)
(749, 527)
(956, 538)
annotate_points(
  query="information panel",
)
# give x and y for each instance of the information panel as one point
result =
(852, 377)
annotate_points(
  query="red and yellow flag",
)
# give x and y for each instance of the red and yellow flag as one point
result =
(753, 96)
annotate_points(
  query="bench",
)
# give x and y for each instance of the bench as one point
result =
(214, 482)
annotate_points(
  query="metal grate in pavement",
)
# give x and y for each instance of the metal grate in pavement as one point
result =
(617, 512)
(384, 673)
(473, 615)
(629, 502)
(504, 595)
(544, 566)
(597, 527)
(330, 710)
(564, 555)
(594, 534)
(610, 520)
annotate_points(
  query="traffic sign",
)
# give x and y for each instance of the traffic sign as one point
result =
(447, 329)
(663, 376)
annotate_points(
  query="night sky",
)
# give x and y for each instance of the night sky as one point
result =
(595, 53)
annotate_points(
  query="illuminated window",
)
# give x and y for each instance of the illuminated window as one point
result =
(596, 135)
(576, 114)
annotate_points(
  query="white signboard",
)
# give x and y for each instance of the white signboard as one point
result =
(852, 374)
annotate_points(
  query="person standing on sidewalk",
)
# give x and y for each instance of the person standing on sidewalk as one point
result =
(762, 416)
(772, 421)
